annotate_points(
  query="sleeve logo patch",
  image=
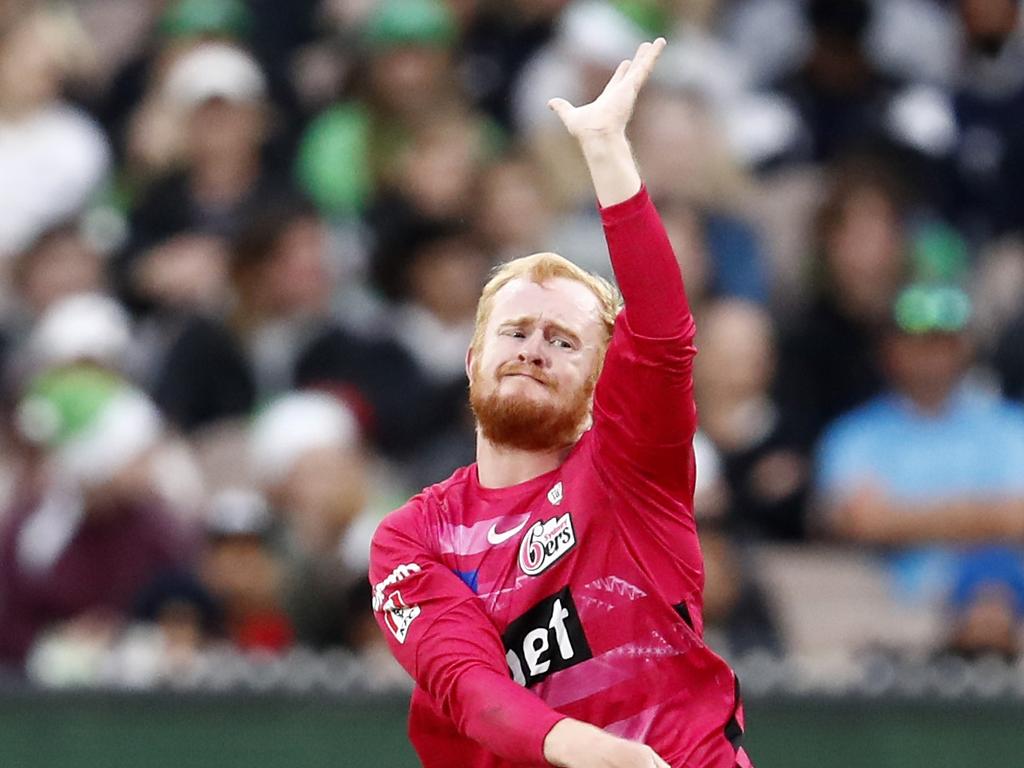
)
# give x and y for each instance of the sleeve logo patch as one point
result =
(545, 543)
(402, 572)
(399, 615)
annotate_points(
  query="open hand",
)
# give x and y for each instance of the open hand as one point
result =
(609, 113)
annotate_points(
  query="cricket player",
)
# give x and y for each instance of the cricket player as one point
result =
(547, 599)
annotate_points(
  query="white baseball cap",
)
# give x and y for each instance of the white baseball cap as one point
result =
(295, 424)
(84, 326)
(215, 71)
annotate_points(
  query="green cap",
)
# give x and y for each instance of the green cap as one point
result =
(410, 22)
(90, 422)
(932, 308)
(195, 18)
(65, 402)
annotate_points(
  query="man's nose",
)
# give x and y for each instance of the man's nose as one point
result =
(534, 350)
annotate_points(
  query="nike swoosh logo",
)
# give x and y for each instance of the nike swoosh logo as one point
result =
(497, 538)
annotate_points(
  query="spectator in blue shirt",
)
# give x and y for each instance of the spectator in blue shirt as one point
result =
(932, 461)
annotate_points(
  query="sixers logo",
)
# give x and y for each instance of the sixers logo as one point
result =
(545, 543)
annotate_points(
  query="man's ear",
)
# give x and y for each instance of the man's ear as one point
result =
(469, 362)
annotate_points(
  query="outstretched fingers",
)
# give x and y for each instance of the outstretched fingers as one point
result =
(620, 73)
(643, 63)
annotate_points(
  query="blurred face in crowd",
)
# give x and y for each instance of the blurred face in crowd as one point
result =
(60, 264)
(736, 360)
(438, 171)
(446, 278)
(989, 23)
(926, 367)
(533, 376)
(219, 128)
(864, 252)
(295, 278)
(30, 67)
(324, 490)
(682, 150)
(407, 80)
(242, 572)
(512, 209)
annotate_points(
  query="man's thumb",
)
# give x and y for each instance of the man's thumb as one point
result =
(560, 107)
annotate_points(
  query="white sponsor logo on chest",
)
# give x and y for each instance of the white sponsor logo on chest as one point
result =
(555, 494)
(545, 543)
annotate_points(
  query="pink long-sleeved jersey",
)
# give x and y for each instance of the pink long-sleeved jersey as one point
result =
(577, 593)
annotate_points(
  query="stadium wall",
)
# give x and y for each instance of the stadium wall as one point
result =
(90, 730)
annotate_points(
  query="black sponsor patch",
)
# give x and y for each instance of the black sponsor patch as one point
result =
(546, 639)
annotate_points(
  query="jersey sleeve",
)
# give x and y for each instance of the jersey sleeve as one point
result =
(439, 633)
(644, 411)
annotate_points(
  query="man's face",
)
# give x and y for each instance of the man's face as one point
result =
(865, 250)
(532, 379)
(220, 126)
(407, 78)
(323, 492)
(61, 266)
(927, 367)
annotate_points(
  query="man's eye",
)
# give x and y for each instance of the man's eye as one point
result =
(515, 333)
(562, 343)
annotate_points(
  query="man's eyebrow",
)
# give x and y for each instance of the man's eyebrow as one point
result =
(521, 320)
(565, 331)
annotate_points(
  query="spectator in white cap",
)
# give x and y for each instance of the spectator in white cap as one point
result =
(242, 571)
(53, 156)
(60, 263)
(63, 260)
(305, 452)
(212, 71)
(176, 255)
(93, 331)
(84, 327)
(593, 37)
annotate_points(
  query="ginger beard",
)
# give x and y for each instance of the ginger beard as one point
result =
(520, 422)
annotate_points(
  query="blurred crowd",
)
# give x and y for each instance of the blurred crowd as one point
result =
(241, 244)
